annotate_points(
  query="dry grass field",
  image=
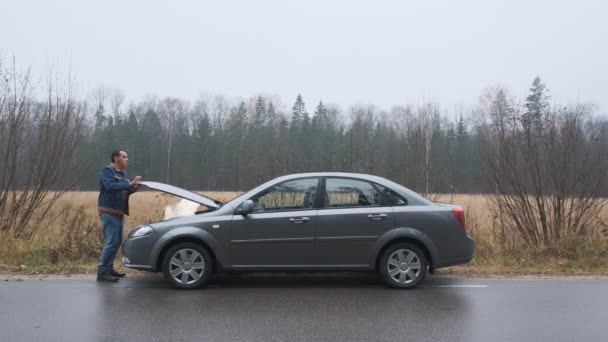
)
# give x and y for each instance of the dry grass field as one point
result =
(68, 239)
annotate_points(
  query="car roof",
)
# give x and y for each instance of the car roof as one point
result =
(330, 174)
(411, 195)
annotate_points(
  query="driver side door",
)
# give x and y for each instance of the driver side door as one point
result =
(280, 231)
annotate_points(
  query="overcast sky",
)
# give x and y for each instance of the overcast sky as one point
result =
(343, 52)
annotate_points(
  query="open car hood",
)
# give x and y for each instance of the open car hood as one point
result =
(179, 192)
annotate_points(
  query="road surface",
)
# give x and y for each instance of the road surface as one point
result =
(304, 307)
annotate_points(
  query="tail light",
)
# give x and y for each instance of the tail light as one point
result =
(459, 213)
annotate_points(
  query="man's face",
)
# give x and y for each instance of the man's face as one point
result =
(122, 160)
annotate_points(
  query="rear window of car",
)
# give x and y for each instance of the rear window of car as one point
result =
(390, 196)
(343, 193)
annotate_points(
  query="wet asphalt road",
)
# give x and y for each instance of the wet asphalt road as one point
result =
(304, 307)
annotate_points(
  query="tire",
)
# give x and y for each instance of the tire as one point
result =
(403, 266)
(187, 265)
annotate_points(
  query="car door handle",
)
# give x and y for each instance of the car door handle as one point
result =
(299, 219)
(377, 217)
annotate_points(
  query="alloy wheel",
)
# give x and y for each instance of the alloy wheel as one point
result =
(404, 266)
(186, 266)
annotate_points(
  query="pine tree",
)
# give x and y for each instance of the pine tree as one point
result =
(320, 138)
(537, 103)
(152, 132)
(99, 120)
(320, 118)
(134, 142)
(260, 113)
(502, 112)
(298, 111)
(451, 135)
(203, 139)
(461, 130)
(297, 135)
(270, 114)
(241, 114)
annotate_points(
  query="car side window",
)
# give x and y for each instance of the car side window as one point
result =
(293, 195)
(347, 193)
(391, 197)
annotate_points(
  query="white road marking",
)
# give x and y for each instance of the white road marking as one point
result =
(473, 286)
(432, 286)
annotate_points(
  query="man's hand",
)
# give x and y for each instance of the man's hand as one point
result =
(134, 184)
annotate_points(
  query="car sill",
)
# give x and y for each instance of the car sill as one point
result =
(273, 240)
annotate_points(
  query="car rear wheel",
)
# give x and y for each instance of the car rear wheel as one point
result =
(403, 266)
(187, 265)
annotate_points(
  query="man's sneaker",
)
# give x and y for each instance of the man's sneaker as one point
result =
(116, 274)
(106, 277)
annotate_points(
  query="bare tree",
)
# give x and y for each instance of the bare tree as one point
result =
(116, 101)
(99, 97)
(420, 129)
(548, 175)
(38, 140)
(219, 111)
(171, 111)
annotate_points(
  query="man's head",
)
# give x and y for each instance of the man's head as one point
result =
(120, 159)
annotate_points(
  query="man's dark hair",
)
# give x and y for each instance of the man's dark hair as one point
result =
(115, 153)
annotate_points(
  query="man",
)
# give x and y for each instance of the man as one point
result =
(114, 191)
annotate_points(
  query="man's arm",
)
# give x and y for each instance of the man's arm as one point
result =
(107, 179)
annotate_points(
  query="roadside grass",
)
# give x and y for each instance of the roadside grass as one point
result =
(68, 240)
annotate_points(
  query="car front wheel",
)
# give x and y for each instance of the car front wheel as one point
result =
(403, 266)
(187, 265)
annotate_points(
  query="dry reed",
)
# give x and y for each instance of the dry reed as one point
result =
(69, 238)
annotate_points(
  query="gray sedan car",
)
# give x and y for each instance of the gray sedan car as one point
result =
(305, 222)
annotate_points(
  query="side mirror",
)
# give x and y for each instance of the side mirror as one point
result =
(246, 207)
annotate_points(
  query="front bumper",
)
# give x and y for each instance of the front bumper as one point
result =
(136, 253)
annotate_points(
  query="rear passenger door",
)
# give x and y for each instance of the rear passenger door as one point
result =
(351, 218)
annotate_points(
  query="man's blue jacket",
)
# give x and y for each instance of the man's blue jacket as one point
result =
(114, 191)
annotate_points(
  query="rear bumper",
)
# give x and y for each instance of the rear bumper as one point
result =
(466, 255)
(136, 253)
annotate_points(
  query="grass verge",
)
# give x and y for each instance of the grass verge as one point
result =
(68, 241)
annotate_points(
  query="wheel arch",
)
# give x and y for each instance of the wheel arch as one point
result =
(187, 234)
(403, 235)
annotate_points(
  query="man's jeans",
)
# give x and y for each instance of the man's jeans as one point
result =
(112, 233)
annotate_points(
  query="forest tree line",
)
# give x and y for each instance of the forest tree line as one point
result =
(218, 144)
(544, 164)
